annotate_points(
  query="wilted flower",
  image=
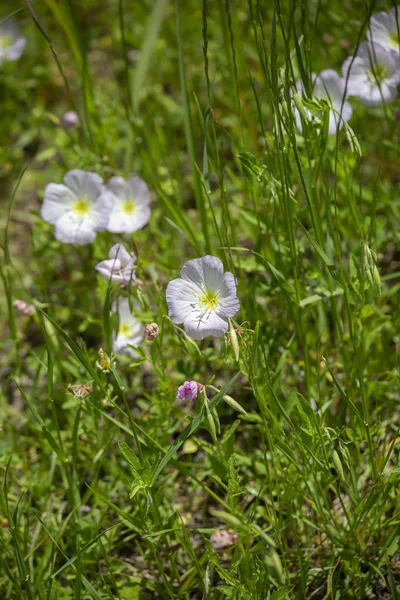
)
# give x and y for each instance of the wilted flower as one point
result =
(223, 538)
(77, 207)
(105, 363)
(12, 43)
(120, 265)
(329, 86)
(81, 390)
(70, 119)
(384, 29)
(130, 332)
(130, 202)
(204, 298)
(24, 308)
(189, 390)
(151, 331)
(373, 74)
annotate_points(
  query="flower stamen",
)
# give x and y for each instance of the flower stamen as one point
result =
(209, 300)
(125, 330)
(128, 207)
(82, 206)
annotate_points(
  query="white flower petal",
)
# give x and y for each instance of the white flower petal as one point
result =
(109, 269)
(210, 324)
(361, 74)
(182, 298)
(128, 322)
(329, 86)
(131, 200)
(205, 272)
(84, 183)
(204, 298)
(384, 29)
(121, 345)
(229, 303)
(15, 43)
(58, 200)
(119, 251)
(121, 222)
(101, 212)
(71, 229)
(138, 188)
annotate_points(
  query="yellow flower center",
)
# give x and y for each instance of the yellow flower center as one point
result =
(379, 73)
(394, 38)
(209, 300)
(128, 207)
(125, 330)
(82, 207)
(5, 41)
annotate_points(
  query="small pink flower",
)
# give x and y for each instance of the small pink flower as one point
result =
(189, 390)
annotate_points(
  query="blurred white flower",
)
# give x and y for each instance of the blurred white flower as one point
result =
(329, 86)
(384, 28)
(78, 208)
(130, 331)
(204, 298)
(12, 43)
(70, 119)
(130, 204)
(120, 266)
(373, 74)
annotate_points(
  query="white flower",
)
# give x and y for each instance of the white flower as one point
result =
(120, 267)
(373, 74)
(130, 332)
(204, 298)
(329, 86)
(130, 204)
(78, 208)
(12, 43)
(384, 29)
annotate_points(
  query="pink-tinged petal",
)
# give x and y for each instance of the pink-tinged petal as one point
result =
(119, 251)
(110, 270)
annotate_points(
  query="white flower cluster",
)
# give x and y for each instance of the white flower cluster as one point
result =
(372, 74)
(84, 205)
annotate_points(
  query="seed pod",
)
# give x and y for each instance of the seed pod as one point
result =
(233, 404)
(211, 422)
(234, 340)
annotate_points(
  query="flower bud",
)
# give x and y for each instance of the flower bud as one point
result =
(151, 331)
(24, 308)
(104, 363)
(70, 119)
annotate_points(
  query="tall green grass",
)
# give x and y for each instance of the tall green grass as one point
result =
(116, 494)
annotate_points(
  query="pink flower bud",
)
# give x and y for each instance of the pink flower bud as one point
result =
(151, 331)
